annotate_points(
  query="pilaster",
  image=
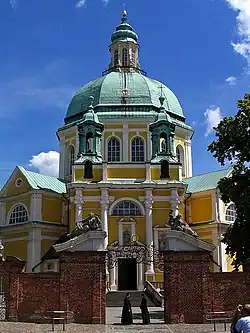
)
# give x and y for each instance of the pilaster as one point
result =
(104, 213)
(149, 228)
(2, 213)
(125, 143)
(34, 249)
(62, 158)
(188, 156)
(174, 201)
(36, 207)
(78, 205)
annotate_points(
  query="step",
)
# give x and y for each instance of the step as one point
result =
(115, 298)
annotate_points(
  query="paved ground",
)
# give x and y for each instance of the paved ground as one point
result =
(113, 325)
(77, 328)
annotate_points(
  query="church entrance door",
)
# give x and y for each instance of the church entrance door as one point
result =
(127, 274)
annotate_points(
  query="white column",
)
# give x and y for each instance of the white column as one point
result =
(188, 156)
(148, 174)
(34, 249)
(104, 213)
(140, 280)
(149, 145)
(77, 144)
(149, 228)
(78, 206)
(104, 171)
(62, 158)
(2, 213)
(36, 207)
(156, 239)
(125, 143)
(174, 201)
(113, 286)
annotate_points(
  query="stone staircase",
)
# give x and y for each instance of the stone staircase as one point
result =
(115, 299)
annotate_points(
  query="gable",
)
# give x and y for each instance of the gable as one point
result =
(16, 184)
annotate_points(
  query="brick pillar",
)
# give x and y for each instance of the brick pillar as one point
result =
(83, 286)
(13, 267)
(184, 273)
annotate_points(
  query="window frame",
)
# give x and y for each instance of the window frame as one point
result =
(70, 159)
(11, 211)
(142, 140)
(122, 208)
(230, 217)
(125, 57)
(109, 139)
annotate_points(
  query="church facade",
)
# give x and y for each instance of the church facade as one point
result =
(125, 155)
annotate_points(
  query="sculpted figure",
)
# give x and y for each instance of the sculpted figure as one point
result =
(176, 223)
(91, 223)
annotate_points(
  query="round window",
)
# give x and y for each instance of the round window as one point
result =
(19, 182)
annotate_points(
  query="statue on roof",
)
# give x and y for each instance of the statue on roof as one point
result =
(176, 223)
(91, 223)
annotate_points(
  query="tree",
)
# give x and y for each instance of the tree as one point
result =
(232, 144)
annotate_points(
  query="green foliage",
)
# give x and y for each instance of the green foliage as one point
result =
(232, 144)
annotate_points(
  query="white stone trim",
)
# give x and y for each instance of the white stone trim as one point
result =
(137, 135)
(106, 145)
(2, 213)
(79, 167)
(78, 205)
(125, 131)
(132, 165)
(158, 166)
(104, 213)
(8, 240)
(116, 202)
(62, 158)
(49, 237)
(189, 171)
(34, 249)
(130, 129)
(36, 207)
(66, 158)
(149, 228)
(11, 210)
(91, 198)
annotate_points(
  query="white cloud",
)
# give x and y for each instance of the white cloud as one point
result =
(105, 2)
(46, 163)
(43, 90)
(13, 3)
(212, 118)
(231, 80)
(242, 7)
(80, 3)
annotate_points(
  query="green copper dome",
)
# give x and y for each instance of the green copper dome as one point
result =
(124, 32)
(109, 90)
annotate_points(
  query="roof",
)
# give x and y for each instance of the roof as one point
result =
(108, 90)
(39, 181)
(206, 181)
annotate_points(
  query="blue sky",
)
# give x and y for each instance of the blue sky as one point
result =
(199, 48)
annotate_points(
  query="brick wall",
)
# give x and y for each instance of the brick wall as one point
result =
(192, 291)
(80, 286)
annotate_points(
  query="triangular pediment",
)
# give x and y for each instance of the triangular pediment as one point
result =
(172, 240)
(89, 241)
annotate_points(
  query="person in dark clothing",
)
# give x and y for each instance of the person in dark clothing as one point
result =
(144, 310)
(127, 311)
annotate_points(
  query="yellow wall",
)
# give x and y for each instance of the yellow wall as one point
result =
(12, 189)
(51, 209)
(16, 248)
(134, 173)
(201, 208)
(156, 173)
(97, 174)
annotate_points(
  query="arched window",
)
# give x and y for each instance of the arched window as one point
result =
(70, 159)
(137, 150)
(132, 59)
(165, 169)
(19, 214)
(180, 157)
(231, 213)
(126, 208)
(88, 169)
(124, 57)
(114, 150)
(116, 57)
(89, 142)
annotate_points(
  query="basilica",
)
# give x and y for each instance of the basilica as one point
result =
(126, 156)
